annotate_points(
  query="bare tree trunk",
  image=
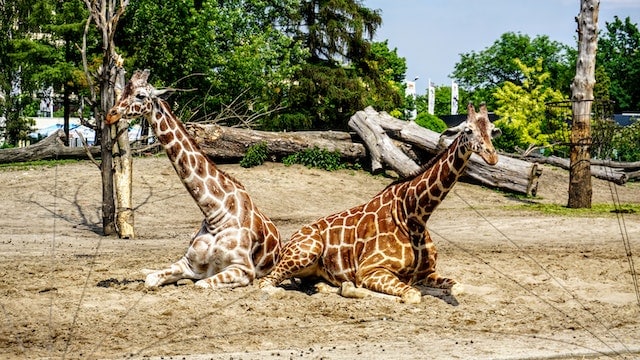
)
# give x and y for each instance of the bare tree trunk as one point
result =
(105, 14)
(123, 166)
(580, 191)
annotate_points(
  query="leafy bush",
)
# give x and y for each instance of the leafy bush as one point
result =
(626, 143)
(317, 158)
(256, 155)
(431, 122)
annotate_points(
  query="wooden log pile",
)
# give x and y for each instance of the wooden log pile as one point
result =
(229, 144)
(382, 132)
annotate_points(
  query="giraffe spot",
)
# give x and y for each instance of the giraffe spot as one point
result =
(231, 204)
(201, 167)
(163, 126)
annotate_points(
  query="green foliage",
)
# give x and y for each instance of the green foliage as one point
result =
(431, 122)
(523, 110)
(225, 51)
(326, 95)
(256, 155)
(626, 142)
(317, 158)
(619, 54)
(482, 72)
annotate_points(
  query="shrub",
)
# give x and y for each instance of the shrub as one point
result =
(431, 122)
(256, 155)
(317, 158)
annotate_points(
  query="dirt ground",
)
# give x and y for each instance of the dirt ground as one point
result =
(537, 285)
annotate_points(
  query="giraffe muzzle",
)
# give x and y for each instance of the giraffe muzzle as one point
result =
(112, 118)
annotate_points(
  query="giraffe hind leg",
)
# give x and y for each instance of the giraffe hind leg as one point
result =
(435, 281)
(386, 282)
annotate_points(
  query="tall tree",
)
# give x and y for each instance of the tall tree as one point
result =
(106, 14)
(15, 92)
(343, 65)
(482, 72)
(619, 55)
(222, 50)
(580, 190)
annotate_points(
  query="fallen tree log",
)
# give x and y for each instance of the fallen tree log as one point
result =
(615, 175)
(51, 147)
(227, 143)
(509, 174)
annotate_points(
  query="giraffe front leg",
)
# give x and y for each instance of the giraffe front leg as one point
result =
(230, 277)
(178, 270)
(384, 281)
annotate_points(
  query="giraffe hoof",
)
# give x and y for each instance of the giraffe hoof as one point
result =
(412, 296)
(349, 290)
(152, 281)
(457, 289)
(203, 284)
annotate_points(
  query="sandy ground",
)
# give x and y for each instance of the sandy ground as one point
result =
(536, 285)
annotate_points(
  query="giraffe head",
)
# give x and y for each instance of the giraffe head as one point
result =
(136, 100)
(477, 131)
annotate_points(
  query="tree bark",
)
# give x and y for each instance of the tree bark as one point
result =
(51, 147)
(580, 191)
(105, 14)
(230, 144)
(123, 166)
(615, 175)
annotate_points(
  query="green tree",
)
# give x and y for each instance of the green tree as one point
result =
(523, 111)
(383, 71)
(343, 69)
(222, 50)
(482, 72)
(46, 53)
(619, 55)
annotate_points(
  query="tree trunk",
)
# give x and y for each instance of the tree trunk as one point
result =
(105, 14)
(123, 166)
(580, 191)
(230, 144)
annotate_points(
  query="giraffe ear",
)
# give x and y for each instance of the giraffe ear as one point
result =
(450, 132)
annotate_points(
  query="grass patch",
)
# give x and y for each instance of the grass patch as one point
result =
(595, 210)
(37, 163)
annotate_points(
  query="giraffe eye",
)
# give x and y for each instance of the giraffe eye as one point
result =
(140, 96)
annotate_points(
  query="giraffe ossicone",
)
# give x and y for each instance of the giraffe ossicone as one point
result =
(383, 246)
(236, 242)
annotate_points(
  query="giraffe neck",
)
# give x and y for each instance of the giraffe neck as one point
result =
(427, 190)
(205, 182)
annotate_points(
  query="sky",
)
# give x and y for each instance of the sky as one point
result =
(431, 34)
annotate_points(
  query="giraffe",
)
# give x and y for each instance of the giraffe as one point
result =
(383, 246)
(236, 243)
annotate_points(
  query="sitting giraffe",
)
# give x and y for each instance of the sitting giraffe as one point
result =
(236, 242)
(383, 245)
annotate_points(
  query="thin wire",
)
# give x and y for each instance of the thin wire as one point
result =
(575, 298)
(53, 261)
(615, 197)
